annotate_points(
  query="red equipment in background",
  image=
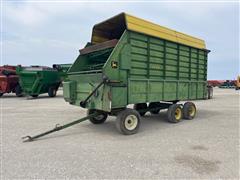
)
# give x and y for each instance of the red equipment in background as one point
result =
(215, 83)
(9, 81)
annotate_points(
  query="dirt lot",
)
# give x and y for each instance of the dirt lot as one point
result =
(206, 147)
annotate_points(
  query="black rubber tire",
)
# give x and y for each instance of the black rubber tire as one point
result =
(171, 113)
(99, 119)
(52, 92)
(140, 106)
(1, 94)
(154, 105)
(122, 117)
(187, 110)
(35, 95)
(18, 91)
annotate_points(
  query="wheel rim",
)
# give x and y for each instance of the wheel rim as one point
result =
(192, 111)
(178, 114)
(131, 122)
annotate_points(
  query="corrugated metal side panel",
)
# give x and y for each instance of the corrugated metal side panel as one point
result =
(158, 58)
(163, 70)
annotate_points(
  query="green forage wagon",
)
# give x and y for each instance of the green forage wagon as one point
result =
(133, 61)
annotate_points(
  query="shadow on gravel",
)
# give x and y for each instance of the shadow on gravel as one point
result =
(30, 98)
(44, 97)
(10, 96)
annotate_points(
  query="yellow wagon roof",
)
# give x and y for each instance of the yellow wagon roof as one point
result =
(115, 26)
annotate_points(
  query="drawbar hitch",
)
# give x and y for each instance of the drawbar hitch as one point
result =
(58, 128)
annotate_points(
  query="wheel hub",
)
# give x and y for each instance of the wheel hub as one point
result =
(131, 122)
(178, 114)
(192, 111)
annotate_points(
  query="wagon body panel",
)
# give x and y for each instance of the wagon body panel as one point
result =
(165, 71)
(81, 85)
(140, 68)
(154, 69)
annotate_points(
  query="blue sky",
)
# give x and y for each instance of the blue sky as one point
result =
(45, 33)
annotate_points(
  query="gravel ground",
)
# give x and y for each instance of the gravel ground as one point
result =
(206, 147)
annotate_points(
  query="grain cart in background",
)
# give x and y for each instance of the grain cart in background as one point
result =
(62, 70)
(9, 81)
(133, 61)
(36, 80)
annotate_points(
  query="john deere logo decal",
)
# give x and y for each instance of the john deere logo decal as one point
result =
(114, 64)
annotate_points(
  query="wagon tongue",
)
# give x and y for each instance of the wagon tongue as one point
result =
(58, 128)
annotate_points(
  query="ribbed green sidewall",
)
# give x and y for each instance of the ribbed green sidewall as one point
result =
(163, 70)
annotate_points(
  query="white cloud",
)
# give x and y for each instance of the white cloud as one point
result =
(24, 14)
(36, 14)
